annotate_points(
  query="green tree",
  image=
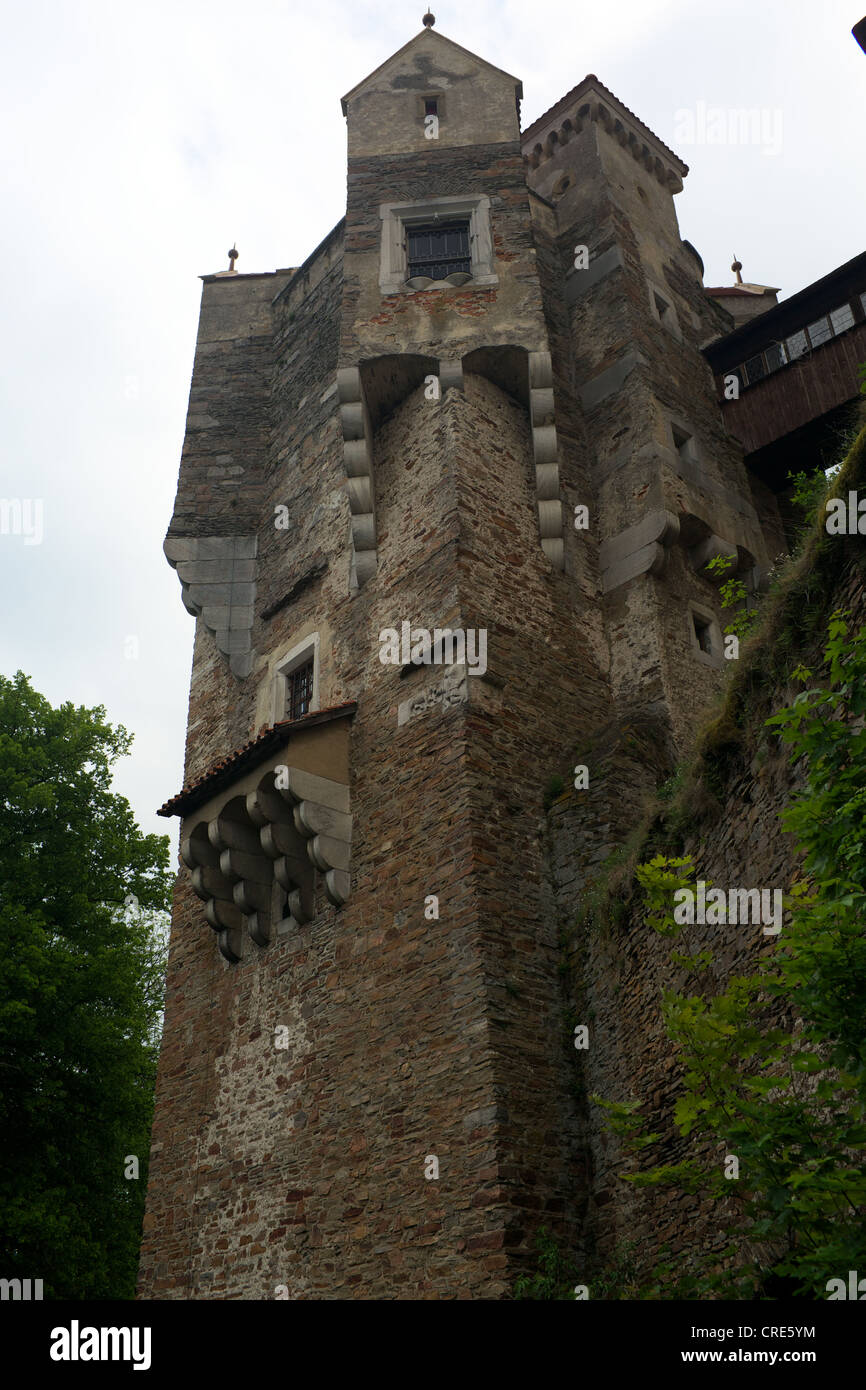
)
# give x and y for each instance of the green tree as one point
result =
(82, 904)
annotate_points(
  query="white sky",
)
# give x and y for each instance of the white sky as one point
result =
(140, 140)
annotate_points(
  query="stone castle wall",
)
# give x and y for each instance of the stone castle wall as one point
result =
(619, 969)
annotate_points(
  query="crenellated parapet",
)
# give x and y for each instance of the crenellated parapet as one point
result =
(592, 103)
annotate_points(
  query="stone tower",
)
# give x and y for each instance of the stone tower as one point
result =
(479, 407)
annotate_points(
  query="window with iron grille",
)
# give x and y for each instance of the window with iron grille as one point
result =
(797, 344)
(842, 318)
(820, 331)
(438, 250)
(299, 690)
(756, 368)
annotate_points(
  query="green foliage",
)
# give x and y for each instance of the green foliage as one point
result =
(861, 373)
(809, 493)
(673, 786)
(733, 595)
(555, 1277)
(83, 895)
(619, 1279)
(788, 1100)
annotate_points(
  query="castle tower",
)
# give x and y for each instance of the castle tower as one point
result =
(365, 1085)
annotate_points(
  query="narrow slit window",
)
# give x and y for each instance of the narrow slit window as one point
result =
(662, 308)
(683, 443)
(431, 107)
(438, 250)
(299, 690)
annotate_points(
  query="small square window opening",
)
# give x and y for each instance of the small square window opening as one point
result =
(431, 107)
(703, 633)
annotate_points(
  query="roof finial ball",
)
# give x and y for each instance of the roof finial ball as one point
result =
(429, 20)
(233, 255)
(736, 267)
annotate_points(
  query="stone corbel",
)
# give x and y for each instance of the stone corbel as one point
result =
(254, 857)
(217, 578)
(360, 484)
(706, 550)
(640, 549)
(545, 454)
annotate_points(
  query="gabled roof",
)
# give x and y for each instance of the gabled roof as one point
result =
(428, 37)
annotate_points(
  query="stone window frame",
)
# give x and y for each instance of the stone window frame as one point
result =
(393, 267)
(715, 657)
(669, 318)
(299, 655)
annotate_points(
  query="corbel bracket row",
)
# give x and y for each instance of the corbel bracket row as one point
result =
(254, 859)
(358, 457)
(545, 452)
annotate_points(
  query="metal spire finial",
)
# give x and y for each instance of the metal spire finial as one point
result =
(233, 255)
(429, 20)
(736, 267)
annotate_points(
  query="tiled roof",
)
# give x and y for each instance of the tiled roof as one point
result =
(569, 100)
(258, 748)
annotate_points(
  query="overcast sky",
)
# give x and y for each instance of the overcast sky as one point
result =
(140, 140)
